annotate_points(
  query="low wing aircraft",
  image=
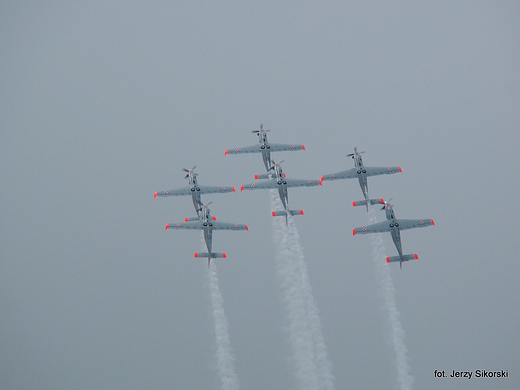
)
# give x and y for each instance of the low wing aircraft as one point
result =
(361, 173)
(394, 226)
(206, 223)
(264, 147)
(277, 180)
(194, 189)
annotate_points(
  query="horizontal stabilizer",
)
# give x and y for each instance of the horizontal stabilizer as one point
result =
(212, 255)
(394, 259)
(262, 176)
(191, 219)
(285, 213)
(364, 202)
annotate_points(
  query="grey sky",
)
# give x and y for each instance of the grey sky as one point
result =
(103, 104)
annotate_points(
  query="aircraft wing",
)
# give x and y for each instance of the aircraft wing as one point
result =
(375, 171)
(178, 191)
(284, 147)
(229, 226)
(302, 183)
(245, 149)
(185, 225)
(260, 185)
(215, 189)
(379, 227)
(348, 174)
(413, 223)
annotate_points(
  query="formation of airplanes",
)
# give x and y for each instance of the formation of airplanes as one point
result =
(275, 178)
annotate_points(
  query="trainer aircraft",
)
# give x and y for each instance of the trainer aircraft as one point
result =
(276, 179)
(394, 226)
(194, 189)
(264, 147)
(206, 223)
(361, 173)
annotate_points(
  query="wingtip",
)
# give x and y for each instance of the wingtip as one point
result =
(167, 226)
(186, 219)
(226, 152)
(381, 200)
(247, 228)
(354, 204)
(388, 259)
(415, 256)
(256, 177)
(224, 255)
(155, 195)
(303, 147)
(301, 212)
(354, 231)
(433, 223)
(274, 213)
(233, 188)
(242, 187)
(400, 170)
(196, 254)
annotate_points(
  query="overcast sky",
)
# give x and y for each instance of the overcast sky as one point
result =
(103, 103)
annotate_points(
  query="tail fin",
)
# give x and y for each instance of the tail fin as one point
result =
(364, 202)
(288, 212)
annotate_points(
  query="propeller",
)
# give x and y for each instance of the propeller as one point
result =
(274, 164)
(355, 152)
(261, 129)
(387, 203)
(188, 174)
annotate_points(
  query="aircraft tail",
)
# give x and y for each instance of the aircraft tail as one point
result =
(288, 212)
(364, 202)
(212, 255)
(400, 259)
(262, 176)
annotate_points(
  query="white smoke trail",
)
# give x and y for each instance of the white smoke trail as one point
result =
(313, 368)
(224, 354)
(387, 292)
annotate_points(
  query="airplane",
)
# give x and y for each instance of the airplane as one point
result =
(361, 172)
(277, 180)
(207, 223)
(394, 226)
(264, 147)
(194, 189)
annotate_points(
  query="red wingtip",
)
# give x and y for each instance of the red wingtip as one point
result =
(233, 188)
(322, 179)
(274, 213)
(301, 212)
(354, 232)
(382, 201)
(320, 182)
(196, 254)
(415, 256)
(155, 195)
(247, 228)
(354, 204)
(433, 223)
(226, 152)
(214, 218)
(388, 259)
(186, 219)
(303, 147)
(224, 255)
(256, 177)
(242, 187)
(167, 226)
(400, 170)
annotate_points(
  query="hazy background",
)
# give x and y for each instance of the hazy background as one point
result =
(103, 103)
